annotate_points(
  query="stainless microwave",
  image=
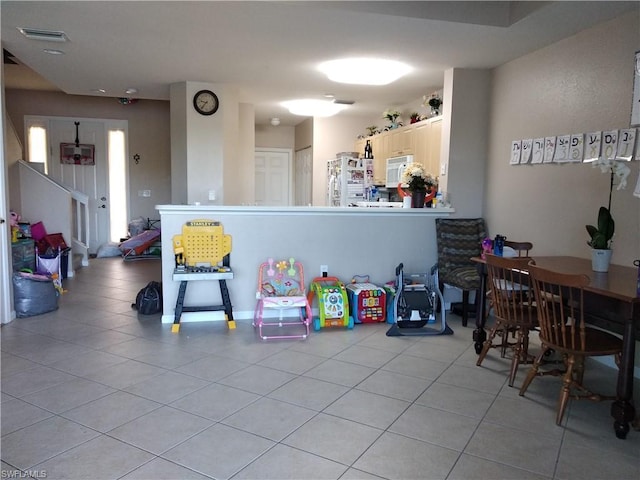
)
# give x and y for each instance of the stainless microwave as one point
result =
(395, 169)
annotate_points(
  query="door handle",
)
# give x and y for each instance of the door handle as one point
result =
(102, 206)
(1, 221)
(103, 199)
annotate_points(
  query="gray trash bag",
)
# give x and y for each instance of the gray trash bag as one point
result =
(33, 294)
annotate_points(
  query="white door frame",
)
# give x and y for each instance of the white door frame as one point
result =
(289, 152)
(7, 313)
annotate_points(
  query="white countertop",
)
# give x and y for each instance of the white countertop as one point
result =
(256, 210)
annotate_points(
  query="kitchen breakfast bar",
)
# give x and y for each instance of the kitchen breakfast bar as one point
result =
(350, 241)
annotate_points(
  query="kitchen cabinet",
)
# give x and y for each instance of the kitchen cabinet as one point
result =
(420, 139)
(427, 144)
(401, 141)
(380, 145)
(433, 144)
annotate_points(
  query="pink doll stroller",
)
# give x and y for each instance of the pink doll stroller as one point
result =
(281, 288)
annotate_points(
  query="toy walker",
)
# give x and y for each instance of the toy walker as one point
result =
(415, 305)
(333, 304)
(281, 287)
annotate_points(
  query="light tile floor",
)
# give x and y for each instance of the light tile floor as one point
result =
(92, 391)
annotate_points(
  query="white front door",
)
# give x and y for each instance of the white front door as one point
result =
(92, 180)
(273, 177)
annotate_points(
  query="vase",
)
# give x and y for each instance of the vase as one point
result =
(417, 198)
(600, 259)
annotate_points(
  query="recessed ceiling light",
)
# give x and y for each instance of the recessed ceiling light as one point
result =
(313, 107)
(99, 90)
(131, 91)
(364, 71)
(53, 51)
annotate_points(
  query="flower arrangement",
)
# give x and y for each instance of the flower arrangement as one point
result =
(433, 101)
(372, 129)
(417, 178)
(391, 115)
(415, 117)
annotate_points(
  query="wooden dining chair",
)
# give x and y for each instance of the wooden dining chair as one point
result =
(521, 248)
(560, 306)
(511, 298)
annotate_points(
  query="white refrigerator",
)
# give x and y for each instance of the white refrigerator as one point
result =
(349, 179)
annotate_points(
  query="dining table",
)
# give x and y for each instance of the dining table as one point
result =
(611, 302)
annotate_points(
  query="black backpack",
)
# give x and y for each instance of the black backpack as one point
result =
(149, 299)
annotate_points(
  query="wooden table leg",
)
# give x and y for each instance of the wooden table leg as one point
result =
(479, 334)
(622, 409)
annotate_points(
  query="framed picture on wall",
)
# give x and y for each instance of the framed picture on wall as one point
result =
(635, 106)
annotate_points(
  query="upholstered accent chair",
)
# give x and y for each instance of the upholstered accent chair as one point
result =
(458, 240)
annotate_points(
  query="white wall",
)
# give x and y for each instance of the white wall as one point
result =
(578, 85)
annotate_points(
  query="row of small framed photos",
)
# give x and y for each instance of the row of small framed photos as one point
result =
(576, 148)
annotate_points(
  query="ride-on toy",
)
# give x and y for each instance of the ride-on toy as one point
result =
(333, 304)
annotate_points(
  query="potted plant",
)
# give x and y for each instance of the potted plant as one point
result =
(434, 102)
(392, 116)
(601, 240)
(415, 117)
(602, 234)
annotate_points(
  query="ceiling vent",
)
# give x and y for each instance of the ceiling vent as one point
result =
(45, 35)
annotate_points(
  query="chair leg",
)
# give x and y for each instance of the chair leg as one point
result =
(533, 372)
(465, 307)
(567, 381)
(517, 355)
(488, 343)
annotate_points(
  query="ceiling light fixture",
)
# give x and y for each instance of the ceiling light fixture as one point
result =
(99, 90)
(313, 107)
(364, 71)
(131, 91)
(275, 121)
(53, 51)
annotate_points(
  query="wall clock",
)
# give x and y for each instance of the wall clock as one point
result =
(206, 102)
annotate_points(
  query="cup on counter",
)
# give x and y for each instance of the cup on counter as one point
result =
(406, 202)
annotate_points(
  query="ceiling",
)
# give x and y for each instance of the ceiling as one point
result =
(269, 50)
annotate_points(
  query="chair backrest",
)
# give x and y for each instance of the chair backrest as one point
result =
(559, 299)
(511, 291)
(458, 240)
(281, 278)
(521, 248)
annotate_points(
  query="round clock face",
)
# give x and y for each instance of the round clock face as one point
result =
(206, 102)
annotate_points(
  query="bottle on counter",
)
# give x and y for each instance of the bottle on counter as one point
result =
(498, 245)
(368, 150)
